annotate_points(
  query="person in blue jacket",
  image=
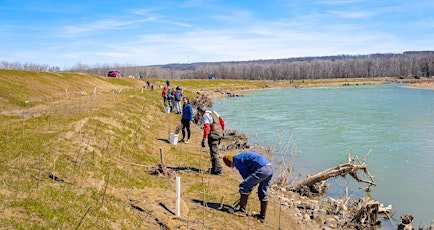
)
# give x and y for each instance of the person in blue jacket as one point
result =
(254, 169)
(186, 118)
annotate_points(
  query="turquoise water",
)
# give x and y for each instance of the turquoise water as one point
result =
(394, 125)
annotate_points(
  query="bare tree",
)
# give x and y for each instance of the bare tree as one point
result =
(415, 64)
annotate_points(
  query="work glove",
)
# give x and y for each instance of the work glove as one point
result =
(203, 143)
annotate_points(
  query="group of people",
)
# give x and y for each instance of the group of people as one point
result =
(172, 98)
(254, 168)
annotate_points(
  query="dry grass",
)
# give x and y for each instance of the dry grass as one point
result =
(77, 151)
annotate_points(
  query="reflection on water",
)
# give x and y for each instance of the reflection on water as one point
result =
(394, 125)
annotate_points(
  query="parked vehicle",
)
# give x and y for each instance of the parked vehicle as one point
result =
(212, 76)
(113, 73)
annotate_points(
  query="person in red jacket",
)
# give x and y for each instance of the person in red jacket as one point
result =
(213, 131)
(164, 95)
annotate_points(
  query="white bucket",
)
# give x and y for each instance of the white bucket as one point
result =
(173, 139)
(167, 110)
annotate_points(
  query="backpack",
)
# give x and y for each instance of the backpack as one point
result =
(178, 96)
(218, 120)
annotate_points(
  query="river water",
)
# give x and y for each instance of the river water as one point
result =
(391, 125)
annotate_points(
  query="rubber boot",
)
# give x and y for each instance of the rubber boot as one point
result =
(216, 168)
(261, 215)
(243, 203)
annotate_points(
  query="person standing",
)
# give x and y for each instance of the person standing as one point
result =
(213, 131)
(174, 104)
(177, 99)
(254, 169)
(164, 95)
(170, 98)
(186, 118)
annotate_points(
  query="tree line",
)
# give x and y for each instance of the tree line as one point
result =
(28, 66)
(413, 64)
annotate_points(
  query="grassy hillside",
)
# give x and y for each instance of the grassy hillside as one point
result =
(78, 151)
(82, 152)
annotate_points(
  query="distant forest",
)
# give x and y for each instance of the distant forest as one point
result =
(411, 64)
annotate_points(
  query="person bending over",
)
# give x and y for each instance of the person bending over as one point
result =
(254, 169)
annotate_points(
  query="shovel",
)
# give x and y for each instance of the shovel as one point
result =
(178, 128)
(231, 209)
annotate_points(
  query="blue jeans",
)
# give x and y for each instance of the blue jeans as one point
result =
(262, 177)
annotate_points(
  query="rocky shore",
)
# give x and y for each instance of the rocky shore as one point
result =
(94, 153)
(312, 210)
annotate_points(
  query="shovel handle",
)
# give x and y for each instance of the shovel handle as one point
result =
(236, 203)
(221, 202)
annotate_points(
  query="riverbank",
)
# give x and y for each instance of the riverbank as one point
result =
(229, 104)
(93, 152)
(422, 84)
(269, 85)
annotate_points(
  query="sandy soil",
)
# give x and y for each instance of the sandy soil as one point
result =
(422, 84)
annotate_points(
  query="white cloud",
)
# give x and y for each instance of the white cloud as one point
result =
(197, 31)
(352, 14)
(102, 26)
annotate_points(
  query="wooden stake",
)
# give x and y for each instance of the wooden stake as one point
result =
(54, 168)
(221, 202)
(85, 214)
(161, 156)
(105, 188)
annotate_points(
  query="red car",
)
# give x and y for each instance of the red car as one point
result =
(113, 73)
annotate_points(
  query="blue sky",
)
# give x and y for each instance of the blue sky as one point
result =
(146, 32)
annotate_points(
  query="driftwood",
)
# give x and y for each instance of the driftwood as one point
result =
(350, 168)
(366, 213)
(406, 220)
(362, 214)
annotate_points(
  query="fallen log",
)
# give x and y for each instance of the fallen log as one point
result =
(362, 214)
(366, 213)
(350, 168)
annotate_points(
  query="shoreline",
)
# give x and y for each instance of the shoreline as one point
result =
(130, 160)
(427, 84)
(281, 192)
